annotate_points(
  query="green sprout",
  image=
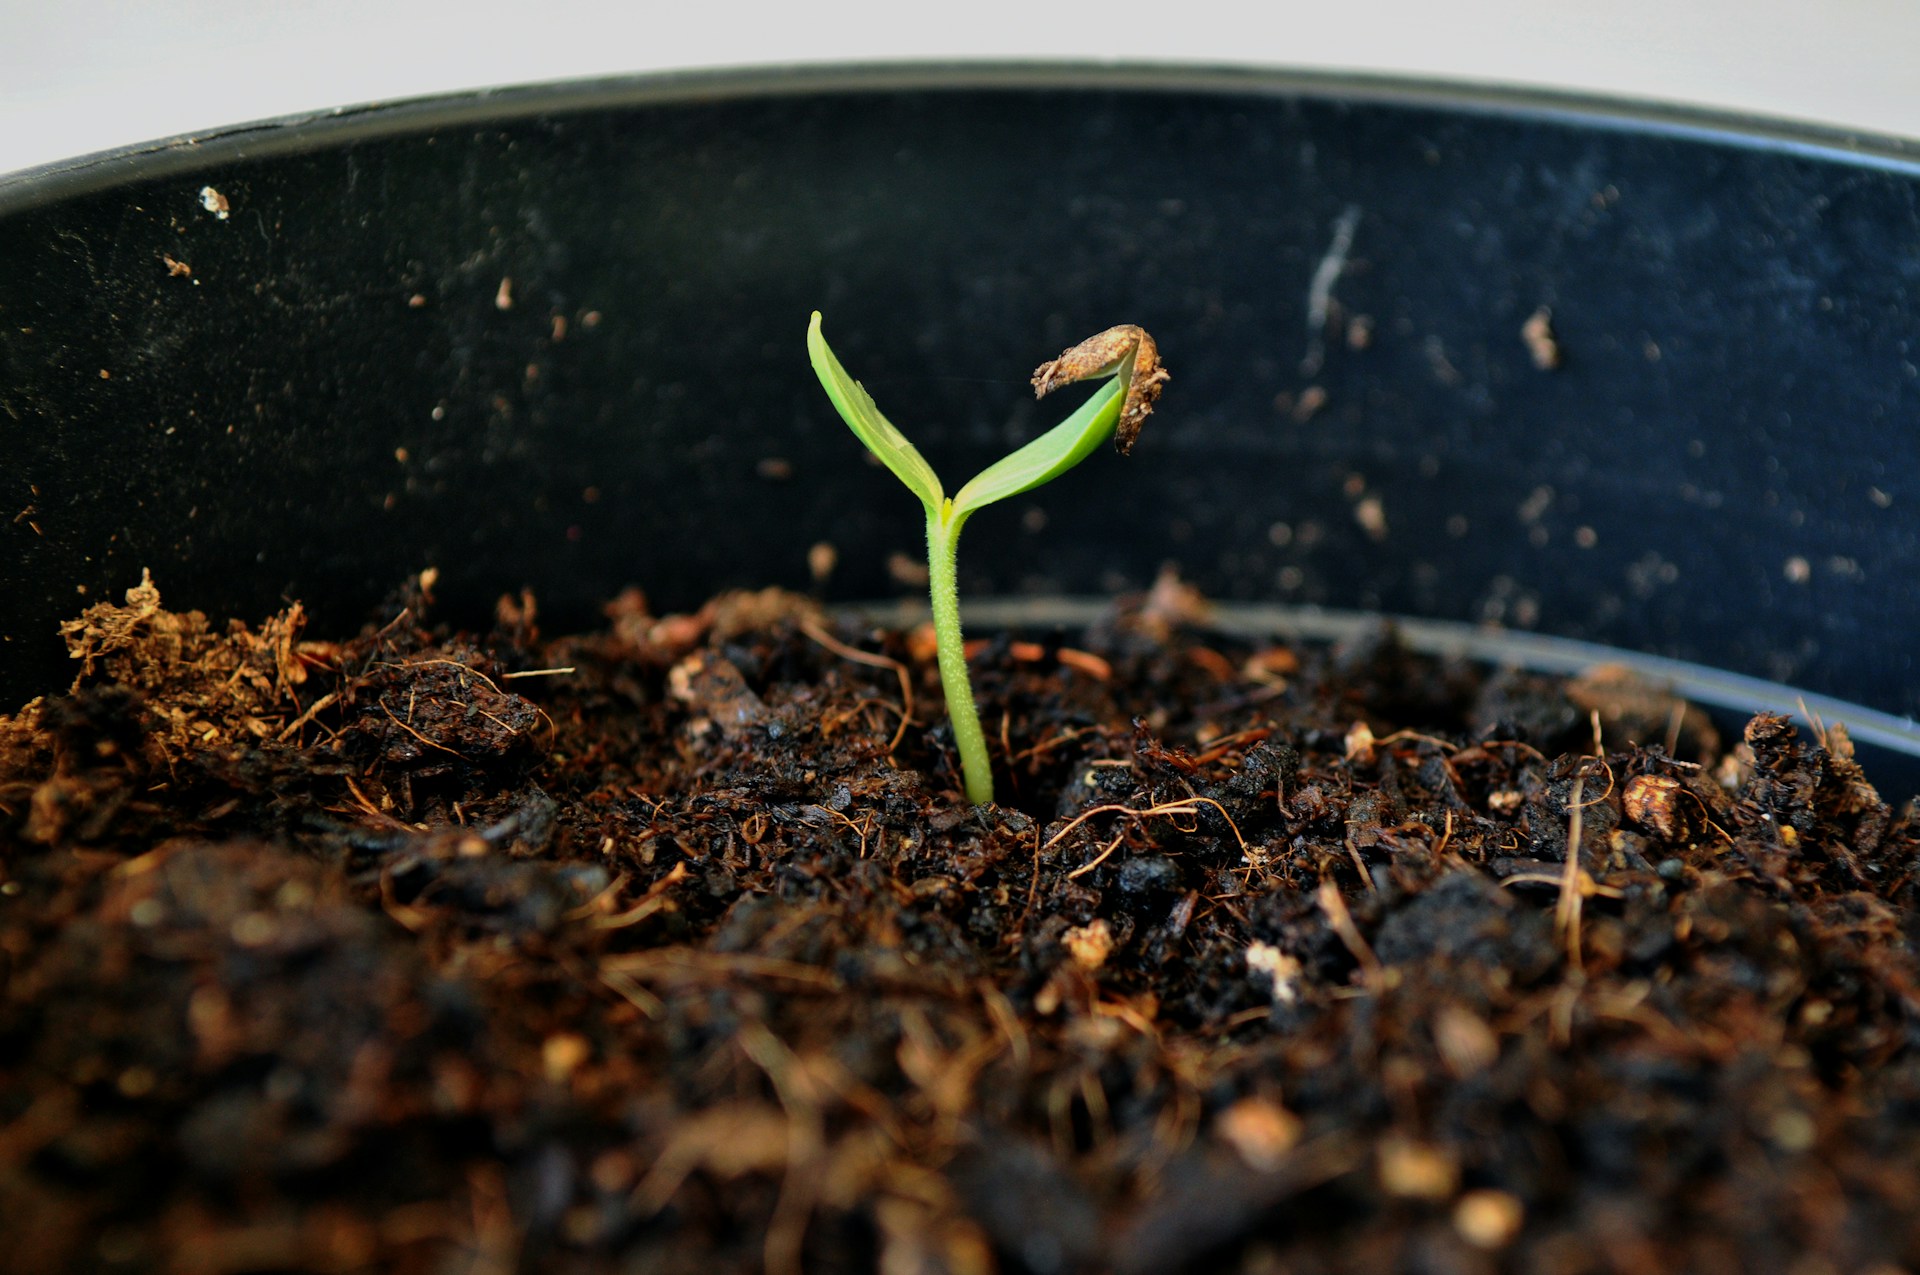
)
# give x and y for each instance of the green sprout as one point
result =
(1126, 354)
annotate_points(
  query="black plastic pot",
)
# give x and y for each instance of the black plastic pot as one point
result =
(553, 338)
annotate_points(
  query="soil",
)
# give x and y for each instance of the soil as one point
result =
(673, 948)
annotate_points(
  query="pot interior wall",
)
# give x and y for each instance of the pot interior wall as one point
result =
(555, 339)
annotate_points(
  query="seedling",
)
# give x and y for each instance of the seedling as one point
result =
(1126, 355)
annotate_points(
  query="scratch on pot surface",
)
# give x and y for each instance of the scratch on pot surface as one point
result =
(1320, 290)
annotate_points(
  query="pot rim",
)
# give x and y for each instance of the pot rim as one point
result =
(310, 130)
(1492, 647)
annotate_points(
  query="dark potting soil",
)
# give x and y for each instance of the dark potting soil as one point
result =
(673, 948)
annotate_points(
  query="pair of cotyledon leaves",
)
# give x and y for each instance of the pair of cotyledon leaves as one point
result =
(1037, 463)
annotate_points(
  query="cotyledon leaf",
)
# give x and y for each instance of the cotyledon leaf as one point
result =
(1048, 456)
(857, 409)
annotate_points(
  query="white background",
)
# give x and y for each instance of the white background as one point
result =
(86, 75)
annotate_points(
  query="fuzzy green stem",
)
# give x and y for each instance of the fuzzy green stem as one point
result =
(943, 542)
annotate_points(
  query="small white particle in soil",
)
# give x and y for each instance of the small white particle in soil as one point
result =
(1282, 971)
(1793, 1131)
(1261, 1131)
(1488, 1219)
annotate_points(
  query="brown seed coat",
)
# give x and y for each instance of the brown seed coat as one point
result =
(1102, 355)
